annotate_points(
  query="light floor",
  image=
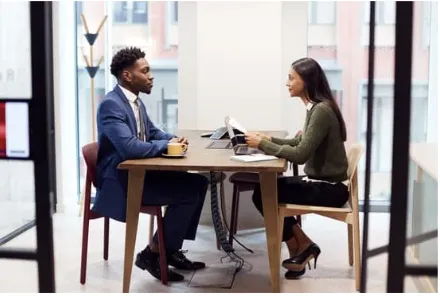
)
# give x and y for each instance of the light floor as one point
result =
(333, 274)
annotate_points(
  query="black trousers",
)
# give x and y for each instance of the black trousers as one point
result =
(295, 191)
(184, 194)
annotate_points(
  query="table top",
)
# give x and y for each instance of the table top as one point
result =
(199, 158)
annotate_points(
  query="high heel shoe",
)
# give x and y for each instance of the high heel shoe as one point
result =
(298, 262)
(294, 275)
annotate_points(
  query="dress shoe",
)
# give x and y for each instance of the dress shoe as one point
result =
(179, 261)
(294, 275)
(298, 262)
(149, 261)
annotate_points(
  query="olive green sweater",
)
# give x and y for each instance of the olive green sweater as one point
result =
(320, 147)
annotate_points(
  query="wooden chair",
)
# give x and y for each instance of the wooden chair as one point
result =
(90, 153)
(348, 214)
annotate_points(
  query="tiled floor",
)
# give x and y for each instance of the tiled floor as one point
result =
(333, 274)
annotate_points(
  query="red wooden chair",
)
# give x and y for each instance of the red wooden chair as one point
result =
(90, 153)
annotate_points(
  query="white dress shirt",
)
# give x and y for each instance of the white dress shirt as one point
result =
(131, 97)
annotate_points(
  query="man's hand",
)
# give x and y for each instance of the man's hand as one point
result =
(264, 136)
(252, 140)
(299, 133)
(183, 140)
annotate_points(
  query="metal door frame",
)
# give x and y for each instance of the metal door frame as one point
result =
(42, 147)
(397, 267)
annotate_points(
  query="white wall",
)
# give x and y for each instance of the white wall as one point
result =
(233, 60)
(229, 66)
(65, 102)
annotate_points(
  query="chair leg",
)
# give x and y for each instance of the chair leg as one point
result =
(162, 249)
(106, 236)
(151, 233)
(84, 247)
(281, 226)
(234, 214)
(357, 250)
(350, 244)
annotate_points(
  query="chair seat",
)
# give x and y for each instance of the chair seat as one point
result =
(243, 177)
(345, 209)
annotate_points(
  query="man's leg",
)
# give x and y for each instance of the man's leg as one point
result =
(184, 194)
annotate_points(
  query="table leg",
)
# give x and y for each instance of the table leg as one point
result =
(269, 194)
(134, 199)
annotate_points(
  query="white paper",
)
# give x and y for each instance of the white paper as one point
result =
(17, 129)
(253, 157)
(235, 124)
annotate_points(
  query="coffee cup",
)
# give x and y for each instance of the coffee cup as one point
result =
(176, 148)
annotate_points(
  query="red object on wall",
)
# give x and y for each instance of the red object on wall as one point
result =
(2, 130)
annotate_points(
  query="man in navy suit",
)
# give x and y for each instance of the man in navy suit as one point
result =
(126, 132)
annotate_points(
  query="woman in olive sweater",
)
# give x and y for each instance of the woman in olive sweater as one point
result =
(320, 147)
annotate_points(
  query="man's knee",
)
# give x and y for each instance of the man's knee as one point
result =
(197, 184)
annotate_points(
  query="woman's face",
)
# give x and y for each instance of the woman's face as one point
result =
(295, 84)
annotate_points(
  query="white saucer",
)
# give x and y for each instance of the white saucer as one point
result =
(173, 156)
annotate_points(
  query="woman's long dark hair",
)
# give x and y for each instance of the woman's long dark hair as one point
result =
(317, 88)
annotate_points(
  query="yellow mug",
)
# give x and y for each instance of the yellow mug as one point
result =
(176, 148)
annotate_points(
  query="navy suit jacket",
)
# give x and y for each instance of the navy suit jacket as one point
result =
(118, 142)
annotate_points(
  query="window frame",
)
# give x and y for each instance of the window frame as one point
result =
(313, 14)
(130, 13)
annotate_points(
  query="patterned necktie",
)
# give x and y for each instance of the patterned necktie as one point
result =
(141, 132)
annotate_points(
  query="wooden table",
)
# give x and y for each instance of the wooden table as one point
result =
(201, 159)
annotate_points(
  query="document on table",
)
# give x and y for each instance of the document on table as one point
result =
(253, 157)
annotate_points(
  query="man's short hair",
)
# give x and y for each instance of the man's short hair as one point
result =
(125, 58)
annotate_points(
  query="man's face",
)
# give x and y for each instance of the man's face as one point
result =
(139, 76)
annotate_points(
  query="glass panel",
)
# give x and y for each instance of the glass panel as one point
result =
(91, 92)
(423, 164)
(132, 25)
(17, 194)
(17, 199)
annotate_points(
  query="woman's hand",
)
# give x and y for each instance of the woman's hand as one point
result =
(264, 136)
(252, 140)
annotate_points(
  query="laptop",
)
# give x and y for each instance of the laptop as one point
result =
(236, 134)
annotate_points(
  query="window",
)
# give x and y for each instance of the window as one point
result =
(130, 26)
(385, 12)
(79, 11)
(322, 12)
(352, 61)
(426, 23)
(175, 11)
(131, 12)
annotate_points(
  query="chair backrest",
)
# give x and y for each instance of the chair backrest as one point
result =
(90, 154)
(354, 154)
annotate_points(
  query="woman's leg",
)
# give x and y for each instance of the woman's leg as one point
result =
(294, 190)
(289, 222)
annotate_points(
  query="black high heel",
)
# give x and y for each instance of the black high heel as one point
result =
(294, 275)
(298, 262)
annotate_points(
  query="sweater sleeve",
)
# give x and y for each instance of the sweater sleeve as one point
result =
(317, 130)
(291, 142)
